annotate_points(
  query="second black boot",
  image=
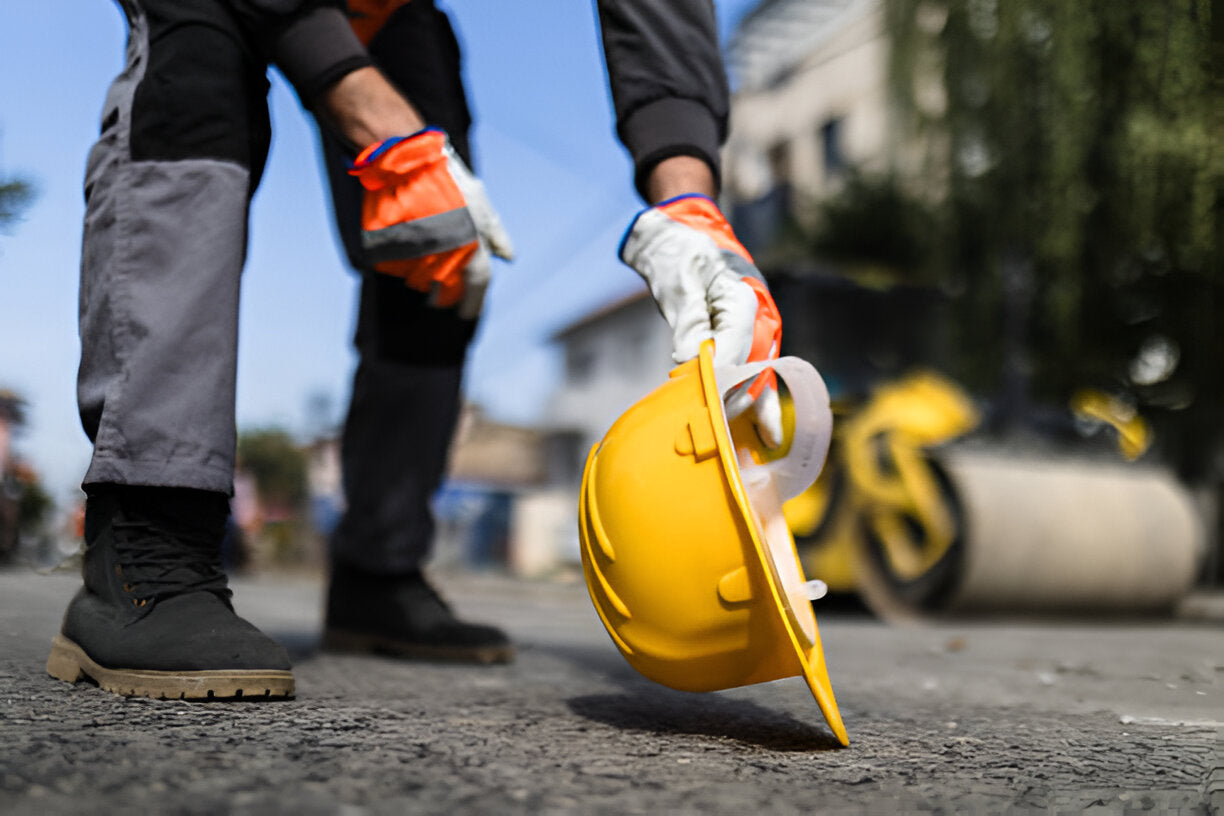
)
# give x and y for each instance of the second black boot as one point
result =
(403, 616)
(154, 617)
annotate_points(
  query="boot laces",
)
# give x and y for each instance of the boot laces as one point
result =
(160, 562)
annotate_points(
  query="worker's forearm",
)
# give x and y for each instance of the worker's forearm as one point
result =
(679, 175)
(364, 108)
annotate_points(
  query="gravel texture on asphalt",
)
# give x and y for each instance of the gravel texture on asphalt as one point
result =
(982, 717)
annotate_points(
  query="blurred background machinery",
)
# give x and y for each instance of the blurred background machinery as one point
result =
(922, 510)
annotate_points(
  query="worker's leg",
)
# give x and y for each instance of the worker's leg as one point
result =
(184, 137)
(405, 399)
(401, 419)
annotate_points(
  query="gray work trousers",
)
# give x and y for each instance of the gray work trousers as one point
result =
(168, 185)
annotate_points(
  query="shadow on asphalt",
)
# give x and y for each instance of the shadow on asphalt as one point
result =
(662, 711)
(643, 705)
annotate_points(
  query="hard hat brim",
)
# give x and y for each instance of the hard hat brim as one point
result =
(810, 657)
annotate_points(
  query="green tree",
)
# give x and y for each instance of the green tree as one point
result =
(34, 504)
(278, 466)
(15, 196)
(25, 505)
(874, 227)
(1079, 148)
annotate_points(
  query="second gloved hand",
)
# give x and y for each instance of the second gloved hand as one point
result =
(706, 285)
(427, 219)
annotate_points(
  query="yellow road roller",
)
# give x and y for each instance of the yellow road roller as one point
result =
(919, 518)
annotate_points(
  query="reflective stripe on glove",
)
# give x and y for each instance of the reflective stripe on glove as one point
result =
(427, 219)
(706, 285)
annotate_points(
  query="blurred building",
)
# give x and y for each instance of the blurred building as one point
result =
(500, 505)
(323, 479)
(506, 500)
(811, 101)
(612, 357)
(491, 467)
(811, 107)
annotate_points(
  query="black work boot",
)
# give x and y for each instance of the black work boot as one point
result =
(403, 616)
(154, 618)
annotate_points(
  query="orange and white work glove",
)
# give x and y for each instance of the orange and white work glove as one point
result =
(707, 285)
(427, 219)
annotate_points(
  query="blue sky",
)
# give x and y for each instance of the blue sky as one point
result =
(544, 144)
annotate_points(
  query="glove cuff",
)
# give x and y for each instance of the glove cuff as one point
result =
(401, 153)
(698, 212)
(766, 335)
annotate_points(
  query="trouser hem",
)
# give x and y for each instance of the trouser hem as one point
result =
(159, 473)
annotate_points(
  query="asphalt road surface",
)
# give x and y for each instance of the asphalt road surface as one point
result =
(958, 717)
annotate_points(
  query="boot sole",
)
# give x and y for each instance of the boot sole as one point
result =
(68, 662)
(340, 640)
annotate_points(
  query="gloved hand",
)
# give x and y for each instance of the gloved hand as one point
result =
(706, 285)
(428, 220)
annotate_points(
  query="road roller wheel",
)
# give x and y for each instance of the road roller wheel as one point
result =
(898, 590)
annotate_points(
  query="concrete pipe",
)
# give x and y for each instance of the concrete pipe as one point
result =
(1044, 535)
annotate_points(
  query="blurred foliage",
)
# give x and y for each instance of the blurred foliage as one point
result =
(34, 504)
(12, 408)
(15, 196)
(278, 466)
(1078, 154)
(872, 224)
(25, 505)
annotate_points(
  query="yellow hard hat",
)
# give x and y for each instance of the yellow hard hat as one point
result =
(686, 553)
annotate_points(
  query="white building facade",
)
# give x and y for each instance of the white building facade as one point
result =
(811, 100)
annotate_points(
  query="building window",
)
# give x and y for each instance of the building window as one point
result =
(779, 164)
(632, 349)
(579, 364)
(834, 155)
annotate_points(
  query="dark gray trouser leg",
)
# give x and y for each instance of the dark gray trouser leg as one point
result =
(405, 400)
(164, 243)
(402, 412)
(402, 415)
(395, 444)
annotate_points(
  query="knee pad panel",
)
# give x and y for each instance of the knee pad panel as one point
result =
(203, 94)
